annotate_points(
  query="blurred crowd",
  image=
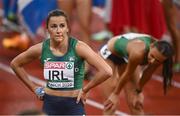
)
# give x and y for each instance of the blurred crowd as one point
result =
(23, 21)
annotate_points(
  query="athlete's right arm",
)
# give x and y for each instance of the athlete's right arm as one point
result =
(24, 58)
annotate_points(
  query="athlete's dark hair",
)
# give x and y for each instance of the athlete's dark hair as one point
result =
(167, 50)
(55, 13)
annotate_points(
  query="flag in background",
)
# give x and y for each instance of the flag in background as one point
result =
(34, 12)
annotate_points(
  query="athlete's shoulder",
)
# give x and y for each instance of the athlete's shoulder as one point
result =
(81, 44)
(83, 49)
(37, 46)
(35, 49)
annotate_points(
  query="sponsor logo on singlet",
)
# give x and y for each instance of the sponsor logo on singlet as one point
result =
(59, 74)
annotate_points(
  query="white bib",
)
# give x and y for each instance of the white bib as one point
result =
(59, 74)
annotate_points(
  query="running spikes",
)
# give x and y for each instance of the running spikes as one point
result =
(20, 42)
(102, 35)
(176, 67)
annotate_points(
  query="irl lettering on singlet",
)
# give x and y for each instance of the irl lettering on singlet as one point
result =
(59, 74)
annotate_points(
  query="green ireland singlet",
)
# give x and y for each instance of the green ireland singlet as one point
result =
(63, 72)
(122, 41)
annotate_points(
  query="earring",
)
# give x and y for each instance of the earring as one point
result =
(47, 34)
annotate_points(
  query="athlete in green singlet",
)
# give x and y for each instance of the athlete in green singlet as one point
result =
(126, 54)
(62, 58)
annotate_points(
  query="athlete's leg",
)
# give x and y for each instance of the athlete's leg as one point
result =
(134, 99)
(67, 6)
(119, 69)
(108, 86)
(84, 12)
(170, 12)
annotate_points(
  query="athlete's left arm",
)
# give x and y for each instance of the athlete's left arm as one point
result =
(146, 75)
(104, 71)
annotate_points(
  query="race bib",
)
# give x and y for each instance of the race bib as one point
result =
(105, 53)
(59, 74)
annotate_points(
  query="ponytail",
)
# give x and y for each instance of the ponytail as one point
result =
(166, 49)
(167, 73)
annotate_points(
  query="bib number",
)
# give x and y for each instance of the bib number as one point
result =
(59, 74)
(105, 53)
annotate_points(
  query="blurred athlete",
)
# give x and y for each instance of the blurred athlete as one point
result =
(125, 54)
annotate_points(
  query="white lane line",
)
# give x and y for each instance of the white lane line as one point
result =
(160, 79)
(34, 79)
(100, 106)
(90, 102)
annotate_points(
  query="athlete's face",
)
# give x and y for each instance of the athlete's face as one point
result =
(155, 56)
(58, 28)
